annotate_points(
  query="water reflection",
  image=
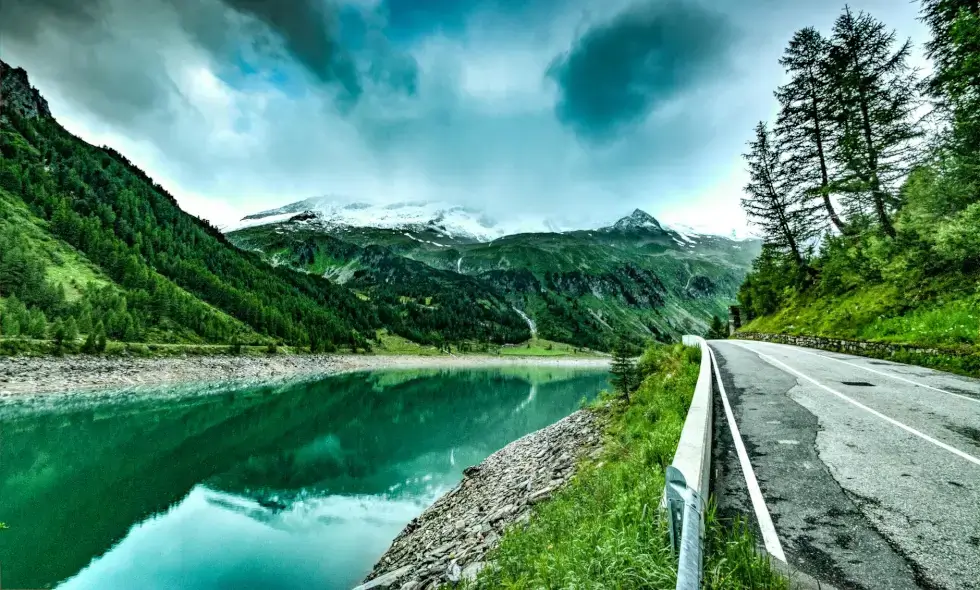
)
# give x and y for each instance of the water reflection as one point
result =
(287, 487)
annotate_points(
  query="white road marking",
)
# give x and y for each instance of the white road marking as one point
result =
(904, 427)
(882, 373)
(768, 529)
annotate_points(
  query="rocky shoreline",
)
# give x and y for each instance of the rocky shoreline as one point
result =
(47, 375)
(449, 541)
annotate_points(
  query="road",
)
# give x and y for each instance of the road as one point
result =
(868, 470)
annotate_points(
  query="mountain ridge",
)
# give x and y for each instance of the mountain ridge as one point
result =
(452, 222)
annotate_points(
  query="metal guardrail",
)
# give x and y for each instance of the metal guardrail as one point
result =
(687, 477)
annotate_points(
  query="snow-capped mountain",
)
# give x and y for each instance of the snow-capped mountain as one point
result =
(448, 221)
(638, 219)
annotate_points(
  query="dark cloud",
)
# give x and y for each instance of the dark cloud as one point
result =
(116, 45)
(619, 71)
(309, 30)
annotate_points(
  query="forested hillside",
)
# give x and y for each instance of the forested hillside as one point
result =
(867, 187)
(588, 288)
(91, 248)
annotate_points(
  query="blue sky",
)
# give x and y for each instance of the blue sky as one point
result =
(571, 110)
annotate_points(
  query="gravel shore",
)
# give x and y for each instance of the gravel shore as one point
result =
(53, 375)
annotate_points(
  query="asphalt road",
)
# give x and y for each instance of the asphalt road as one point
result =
(869, 470)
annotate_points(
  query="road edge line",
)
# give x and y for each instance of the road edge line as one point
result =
(767, 528)
(882, 373)
(871, 411)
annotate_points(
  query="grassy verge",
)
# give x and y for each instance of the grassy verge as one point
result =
(604, 529)
(948, 324)
(880, 313)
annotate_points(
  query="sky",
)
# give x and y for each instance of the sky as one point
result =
(573, 111)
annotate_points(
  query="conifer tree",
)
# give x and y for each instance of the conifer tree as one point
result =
(955, 81)
(769, 201)
(623, 368)
(806, 117)
(875, 99)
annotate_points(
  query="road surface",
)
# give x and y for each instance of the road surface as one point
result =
(868, 470)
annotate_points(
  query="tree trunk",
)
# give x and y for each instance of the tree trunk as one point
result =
(876, 192)
(824, 176)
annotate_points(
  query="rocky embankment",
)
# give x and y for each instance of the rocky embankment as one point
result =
(449, 541)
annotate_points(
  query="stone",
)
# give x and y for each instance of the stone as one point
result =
(471, 571)
(464, 524)
(386, 580)
(453, 572)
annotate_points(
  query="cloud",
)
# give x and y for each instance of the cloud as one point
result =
(619, 71)
(241, 105)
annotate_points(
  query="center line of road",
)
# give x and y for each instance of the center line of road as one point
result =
(904, 427)
(884, 374)
(766, 527)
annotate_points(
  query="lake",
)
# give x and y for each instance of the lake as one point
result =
(275, 487)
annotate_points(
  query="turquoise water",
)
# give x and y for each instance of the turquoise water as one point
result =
(298, 486)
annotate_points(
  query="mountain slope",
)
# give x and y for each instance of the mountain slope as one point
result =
(582, 287)
(170, 276)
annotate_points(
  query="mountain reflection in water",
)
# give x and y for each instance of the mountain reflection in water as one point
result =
(276, 486)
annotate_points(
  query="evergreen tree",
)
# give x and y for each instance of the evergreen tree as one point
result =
(100, 338)
(624, 375)
(90, 346)
(71, 330)
(786, 223)
(875, 99)
(805, 119)
(718, 330)
(955, 81)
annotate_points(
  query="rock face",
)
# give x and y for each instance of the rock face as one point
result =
(17, 94)
(449, 541)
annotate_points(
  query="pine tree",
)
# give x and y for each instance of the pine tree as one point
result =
(955, 81)
(875, 99)
(100, 338)
(788, 224)
(623, 368)
(718, 329)
(805, 119)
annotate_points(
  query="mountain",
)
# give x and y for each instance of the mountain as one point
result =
(638, 220)
(636, 276)
(445, 222)
(90, 247)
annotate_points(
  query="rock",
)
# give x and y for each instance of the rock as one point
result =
(463, 525)
(453, 572)
(386, 580)
(471, 571)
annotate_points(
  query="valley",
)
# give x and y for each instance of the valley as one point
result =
(587, 287)
(96, 257)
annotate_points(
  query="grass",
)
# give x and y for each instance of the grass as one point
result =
(880, 313)
(66, 266)
(542, 347)
(604, 529)
(947, 320)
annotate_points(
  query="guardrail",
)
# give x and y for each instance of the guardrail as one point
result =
(687, 478)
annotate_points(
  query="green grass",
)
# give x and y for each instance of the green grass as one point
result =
(880, 313)
(947, 320)
(604, 529)
(66, 266)
(542, 347)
